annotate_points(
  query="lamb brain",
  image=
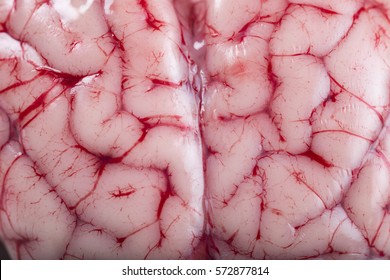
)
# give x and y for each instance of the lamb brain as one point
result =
(195, 129)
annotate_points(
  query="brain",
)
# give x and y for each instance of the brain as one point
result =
(195, 129)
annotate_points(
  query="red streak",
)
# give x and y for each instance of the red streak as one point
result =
(164, 195)
(166, 83)
(150, 19)
(317, 158)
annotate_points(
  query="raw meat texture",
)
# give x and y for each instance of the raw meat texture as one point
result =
(181, 129)
(296, 112)
(103, 158)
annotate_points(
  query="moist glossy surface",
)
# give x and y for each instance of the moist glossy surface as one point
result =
(195, 129)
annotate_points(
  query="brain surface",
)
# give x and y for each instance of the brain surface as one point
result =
(195, 129)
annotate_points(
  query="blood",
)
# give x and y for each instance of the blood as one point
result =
(104, 160)
(123, 193)
(68, 80)
(231, 238)
(120, 240)
(159, 82)
(39, 102)
(313, 156)
(166, 194)
(241, 34)
(271, 76)
(152, 22)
